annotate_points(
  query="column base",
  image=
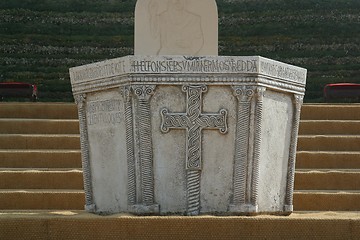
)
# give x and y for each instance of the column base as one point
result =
(145, 209)
(244, 209)
(193, 213)
(288, 209)
(90, 208)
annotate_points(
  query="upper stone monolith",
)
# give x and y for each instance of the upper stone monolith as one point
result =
(176, 27)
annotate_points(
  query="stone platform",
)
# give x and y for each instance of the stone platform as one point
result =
(41, 225)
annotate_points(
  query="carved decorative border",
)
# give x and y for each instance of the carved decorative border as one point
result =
(170, 65)
(247, 155)
(181, 79)
(143, 94)
(89, 197)
(130, 143)
(298, 100)
(193, 192)
(244, 95)
(220, 79)
(257, 145)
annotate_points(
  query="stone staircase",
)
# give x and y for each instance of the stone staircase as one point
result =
(40, 165)
(328, 159)
(40, 161)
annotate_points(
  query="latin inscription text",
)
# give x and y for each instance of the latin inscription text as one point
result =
(189, 65)
(282, 71)
(198, 65)
(102, 71)
(104, 112)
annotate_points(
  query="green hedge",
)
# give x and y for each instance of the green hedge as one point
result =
(41, 39)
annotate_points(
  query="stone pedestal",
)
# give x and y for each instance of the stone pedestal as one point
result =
(189, 135)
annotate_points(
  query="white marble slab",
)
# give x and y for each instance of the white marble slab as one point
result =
(173, 27)
(189, 135)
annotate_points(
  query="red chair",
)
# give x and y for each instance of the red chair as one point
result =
(341, 90)
(18, 90)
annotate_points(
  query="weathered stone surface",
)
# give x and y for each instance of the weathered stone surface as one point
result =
(183, 69)
(189, 135)
(176, 27)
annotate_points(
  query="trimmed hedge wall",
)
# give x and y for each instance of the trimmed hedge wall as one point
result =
(41, 39)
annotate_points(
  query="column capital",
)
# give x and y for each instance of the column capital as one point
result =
(80, 99)
(260, 93)
(298, 100)
(144, 92)
(244, 93)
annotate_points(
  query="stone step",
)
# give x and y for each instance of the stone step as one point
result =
(329, 143)
(71, 126)
(330, 112)
(40, 158)
(72, 141)
(38, 126)
(38, 110)
(72, 159)
(41, 179)
(18, 178)
(329, 127)
(328, 160)
(27, 199)
(75, 225)
(38, 136)
(327, 200)
(327, 179)
(15, 158)
(39, 141)
(69, 111)
(57, 199)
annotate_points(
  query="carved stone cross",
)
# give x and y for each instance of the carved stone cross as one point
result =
(193, 121)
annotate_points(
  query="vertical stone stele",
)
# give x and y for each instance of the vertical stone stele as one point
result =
(176, 27)
(150, 123)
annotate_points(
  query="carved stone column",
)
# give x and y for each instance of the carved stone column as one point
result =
(247, 155)
(257, 146)
(89, 199)
(130, 145)
(297, 101)
(242, 161)
(142, 95)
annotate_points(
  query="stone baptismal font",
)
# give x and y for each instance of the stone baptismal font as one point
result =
(176, 129)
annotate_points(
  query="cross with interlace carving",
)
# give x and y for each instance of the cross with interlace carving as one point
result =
(193, 121)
